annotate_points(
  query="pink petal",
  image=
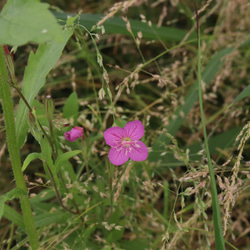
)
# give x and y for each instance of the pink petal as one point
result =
(118, 157)
(139, 152)
(74, 134)
(81, 131)
(113, 135)
(134, 130)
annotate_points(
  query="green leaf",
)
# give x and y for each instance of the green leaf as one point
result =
(115, 234)
(28, 21)
(64, 157)
(9, 196)
(245, 93)
(43, 196)
(116, 25)
(120, 123)
(40, 113)
(71, 20)
(34, 78)
(30, 158)
(71, 106)
(13, 216)
(218, 233)
(48, 161)
(50, 218)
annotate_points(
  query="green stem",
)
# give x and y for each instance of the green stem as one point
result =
(219, 240)
(112, 188)
(14, 152)
(110, 173)
(57, 192)
(30, 109)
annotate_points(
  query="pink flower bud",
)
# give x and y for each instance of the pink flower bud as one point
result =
(74, 134)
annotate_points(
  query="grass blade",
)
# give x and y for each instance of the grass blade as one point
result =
(219, 239)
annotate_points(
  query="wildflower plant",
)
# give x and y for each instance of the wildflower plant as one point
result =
(83, 184)
(125, 143)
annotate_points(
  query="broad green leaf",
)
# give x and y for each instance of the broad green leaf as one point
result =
(50, 218)
(9, 196)
(209, 72)
(64, 157)
(28, 21)
(43, 196)
(40, 113)
(116, 25)
(71, 106)
(38, 67)
(13, 216)
(30, 158)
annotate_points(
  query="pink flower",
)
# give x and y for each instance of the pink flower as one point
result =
(74, 134)
(125, 143)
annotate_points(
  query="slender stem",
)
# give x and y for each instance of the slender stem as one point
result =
(57, 192)
(112, 188)
(110, 173)
(11, 233)
(123, 171)
(30, 109)
(219, 240)
(9, 120)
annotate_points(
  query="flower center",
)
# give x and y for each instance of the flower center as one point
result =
(126, 142)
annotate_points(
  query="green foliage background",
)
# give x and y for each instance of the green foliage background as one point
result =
(102, 69)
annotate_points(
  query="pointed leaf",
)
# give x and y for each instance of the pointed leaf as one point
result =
(71, 106)
(13, 216)
(243, 94)
(28, 21)
(64, 157)
(34, 78)
(9, 196)
(50, 218)
(30, 158)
